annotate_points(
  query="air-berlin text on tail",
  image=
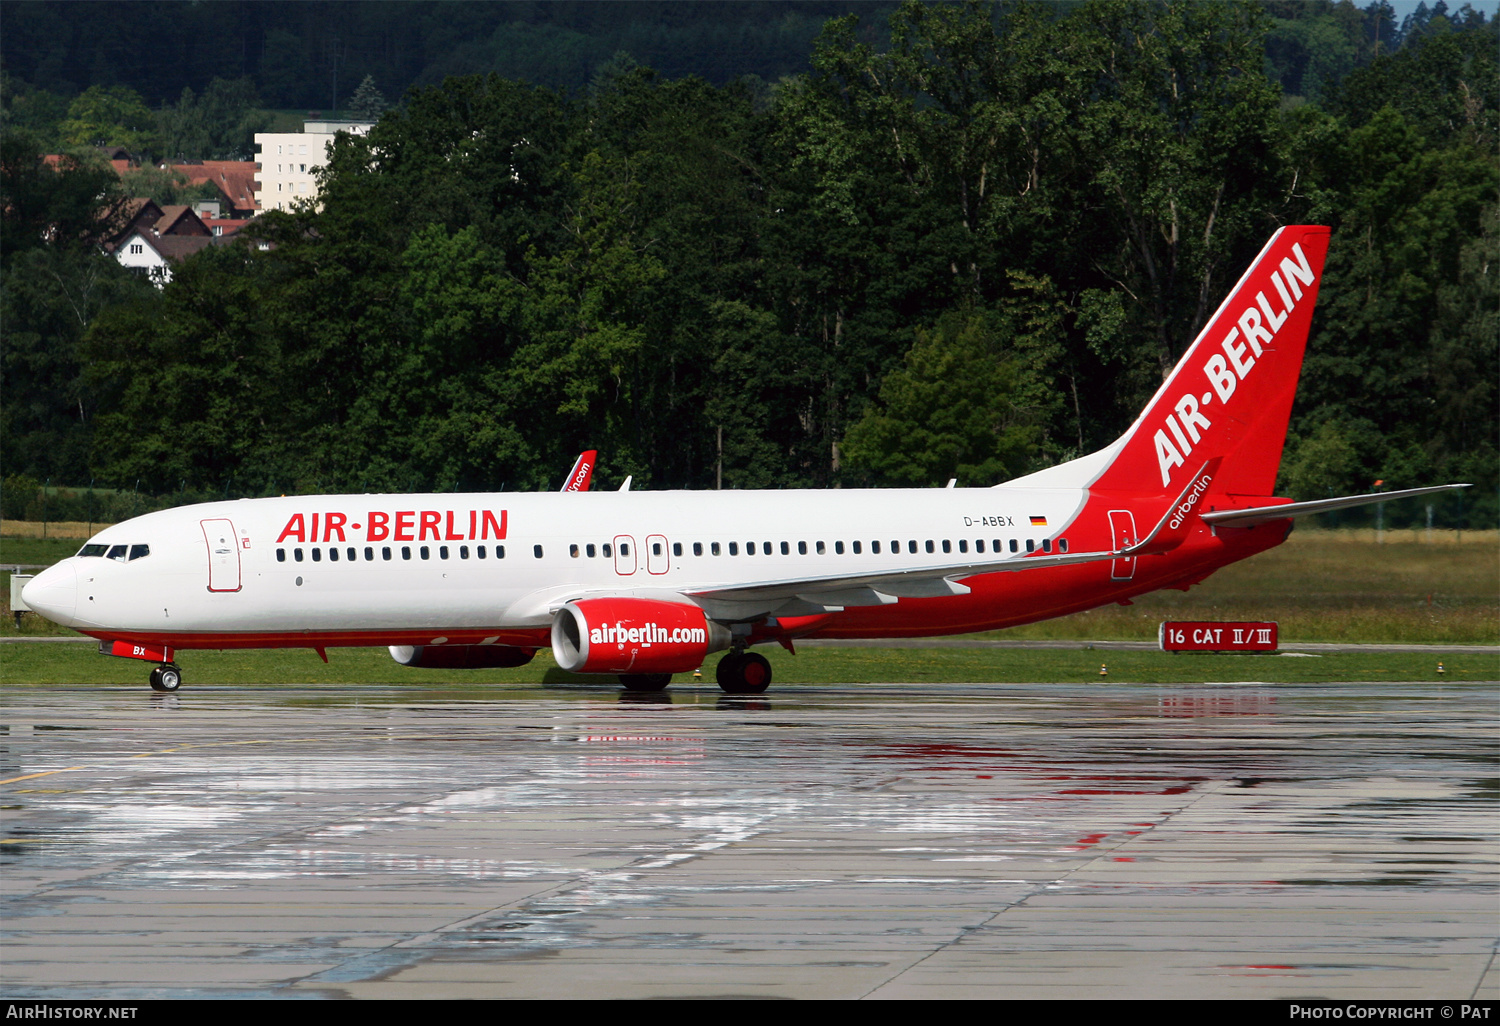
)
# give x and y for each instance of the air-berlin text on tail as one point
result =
(399, 525)
(1245, 343)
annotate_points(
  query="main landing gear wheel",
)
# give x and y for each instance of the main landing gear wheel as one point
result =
(166, 677)
(645, 681)
(744, 673)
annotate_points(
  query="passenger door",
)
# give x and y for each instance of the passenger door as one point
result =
(1122, 535)
(223, 555)
(624, 555)
(657, 560)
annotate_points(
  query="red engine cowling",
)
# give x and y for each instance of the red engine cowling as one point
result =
(633, 635)
(461, 657)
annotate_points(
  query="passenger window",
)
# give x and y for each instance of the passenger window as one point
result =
(499, 551)
(875, 548)
(479, 551)
(978, 544)
(352, 553)
(838, 547)
(947, 545)
(714, 548)
(963, 545)
(406, 552)
(463, 552)
(697, 548)
(911, 545)
(442, 552)
(573, 551)
(786, 550)
(333, 554)
(281, 555)
(116, 552)
(590, 551)
(425, 552)
(139, 551)
(896, 547)
(749, 548)
(822, 551)
(385, 552)
(856, 548)
(656, 549)
(624, 550)
(317, 555)
(734, 548)
(1046, 544)
(1012, 544)
(1062, 544)
(536, 550)
(607, 550)
(297, 555)
(677, 548)
(370, 554)
(766, 548)
(1030, 545)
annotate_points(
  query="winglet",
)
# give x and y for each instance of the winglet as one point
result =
(582, 473)
(1177, 521)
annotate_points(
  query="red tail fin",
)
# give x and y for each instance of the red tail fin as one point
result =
(1231, 394)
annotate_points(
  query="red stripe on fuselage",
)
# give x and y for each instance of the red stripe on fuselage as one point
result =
(537, 637)
(996, 601)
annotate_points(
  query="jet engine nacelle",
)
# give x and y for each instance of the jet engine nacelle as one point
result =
(461, 657)
(633, 635)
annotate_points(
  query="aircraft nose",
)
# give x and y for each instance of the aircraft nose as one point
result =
(54, 593)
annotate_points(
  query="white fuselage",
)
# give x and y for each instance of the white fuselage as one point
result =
(412, 562)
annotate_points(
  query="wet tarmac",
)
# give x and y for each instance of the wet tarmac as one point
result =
(1034, 841)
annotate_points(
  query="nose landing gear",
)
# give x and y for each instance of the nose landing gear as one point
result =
(743, 673)
(166, 677)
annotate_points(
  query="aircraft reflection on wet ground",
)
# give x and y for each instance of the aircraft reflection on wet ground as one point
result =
(889, 840)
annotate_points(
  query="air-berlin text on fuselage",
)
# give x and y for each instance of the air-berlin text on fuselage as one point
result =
(1257, 326)
(399, 525)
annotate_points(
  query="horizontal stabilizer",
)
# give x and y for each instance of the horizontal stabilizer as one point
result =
(1266, 514)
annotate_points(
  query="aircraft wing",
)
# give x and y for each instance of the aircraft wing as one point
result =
(1265, 514)
(800, 596)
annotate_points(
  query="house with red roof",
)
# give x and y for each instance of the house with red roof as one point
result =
(235, 180)
(155, 237)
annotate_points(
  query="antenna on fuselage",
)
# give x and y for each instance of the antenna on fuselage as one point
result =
(626, 486)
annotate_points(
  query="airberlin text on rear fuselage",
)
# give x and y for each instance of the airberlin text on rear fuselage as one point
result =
(1258, 324)
(401, 525)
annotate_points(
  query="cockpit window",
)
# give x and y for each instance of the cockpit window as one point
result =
(93, 550)
(137, 551)
(116, 552)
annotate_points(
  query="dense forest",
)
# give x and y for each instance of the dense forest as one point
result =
(901, 245)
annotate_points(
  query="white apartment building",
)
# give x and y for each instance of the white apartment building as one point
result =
(287, 160)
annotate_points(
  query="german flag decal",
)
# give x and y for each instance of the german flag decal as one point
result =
(1038, 521)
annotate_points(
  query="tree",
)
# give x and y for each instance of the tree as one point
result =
(367, 103)
(73, 201)
(110, 116)
(165, 185)
(950, 412)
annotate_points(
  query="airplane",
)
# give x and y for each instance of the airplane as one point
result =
(644, 585)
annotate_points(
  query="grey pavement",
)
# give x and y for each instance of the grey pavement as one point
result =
(885, 841)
